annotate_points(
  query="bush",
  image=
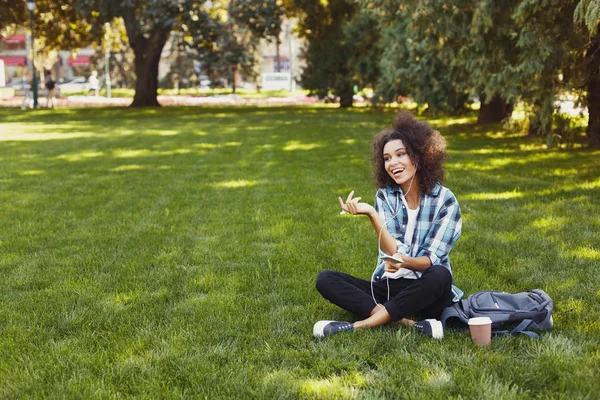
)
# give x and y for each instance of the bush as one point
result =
(567, 131)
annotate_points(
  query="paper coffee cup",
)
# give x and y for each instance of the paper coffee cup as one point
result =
(481, 330)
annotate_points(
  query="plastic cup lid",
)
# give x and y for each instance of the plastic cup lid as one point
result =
(480, 321)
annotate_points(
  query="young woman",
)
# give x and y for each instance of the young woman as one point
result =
(417, 221)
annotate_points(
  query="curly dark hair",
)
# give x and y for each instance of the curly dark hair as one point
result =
(424, 145)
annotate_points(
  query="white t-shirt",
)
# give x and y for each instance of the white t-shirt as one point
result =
(412, 223)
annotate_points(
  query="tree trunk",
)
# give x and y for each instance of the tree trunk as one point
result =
(346, 94)
(176, 83)
(147, 49)
(593, 129)
(494, 111)
(277, 56)
(234, 83)
(593, 86)
(535, 125)
(146, 83)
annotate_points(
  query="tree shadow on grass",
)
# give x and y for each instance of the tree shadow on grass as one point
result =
(146, 157)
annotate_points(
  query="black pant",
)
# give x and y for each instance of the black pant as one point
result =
(425, 297)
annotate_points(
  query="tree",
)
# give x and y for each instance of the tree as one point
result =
(224, 45)
(148, 26)
(588, 13)
(540, 58)
(514, 50)
(442, 53)
(235, 29)
(557, 54)
(362, 33)
(236, 51)
(418, 62)
(121, 61)
(181, 60)
(12, 13)
(342, 47)
(57, 25)
(262, 17)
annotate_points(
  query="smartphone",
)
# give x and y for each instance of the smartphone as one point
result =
(390, 258)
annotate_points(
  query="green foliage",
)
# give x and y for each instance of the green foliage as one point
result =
(12, 13)
(412, 65)
(440, 53)
(226, 37)
(121, 61)
(567, 131)
(362, 33)
(262, 17)
(58, 24)
(232, 47)
(172, 253)
(588, 13)
(343, 48)
(181, 73)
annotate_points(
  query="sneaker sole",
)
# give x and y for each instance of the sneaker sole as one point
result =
(437, 330)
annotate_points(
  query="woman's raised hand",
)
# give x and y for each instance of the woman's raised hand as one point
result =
(353, 206)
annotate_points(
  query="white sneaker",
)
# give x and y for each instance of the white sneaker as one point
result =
(328, 328)
(430, 327)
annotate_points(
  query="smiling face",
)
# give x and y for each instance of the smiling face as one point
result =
(397, 163)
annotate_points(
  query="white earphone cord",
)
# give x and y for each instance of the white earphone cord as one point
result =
(379, 237)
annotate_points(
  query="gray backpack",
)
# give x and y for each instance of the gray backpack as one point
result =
(525, 311)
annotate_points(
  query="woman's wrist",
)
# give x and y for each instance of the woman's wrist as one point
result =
(372, 214)
(415, 263)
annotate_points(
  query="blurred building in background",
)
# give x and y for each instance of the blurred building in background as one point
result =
(289, 52)
(13, 51)
(64, 64)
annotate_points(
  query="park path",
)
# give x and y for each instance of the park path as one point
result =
(179, 100)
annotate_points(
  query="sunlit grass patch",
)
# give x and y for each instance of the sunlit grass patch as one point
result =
(494, 196)
(296, 145)
(20, 134)
(132, 167)
(332, 387)
(586, 253)
(235, 184)
(33, 172)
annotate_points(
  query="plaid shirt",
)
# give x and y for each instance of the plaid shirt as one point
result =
(438, 225)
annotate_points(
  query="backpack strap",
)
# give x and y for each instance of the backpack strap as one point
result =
(457, 294)
(519, 329)
(454, 311)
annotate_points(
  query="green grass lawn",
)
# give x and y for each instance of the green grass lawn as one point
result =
(172, 253)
